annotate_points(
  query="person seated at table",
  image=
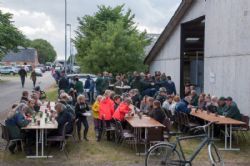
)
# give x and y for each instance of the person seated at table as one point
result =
(157, 113)
(117, 101)
(201, 101)
(161, 95)
(232, 110)
(81, 108)
(38, 103)
(212, 106)
(166, 104)
(65, 100)
(14, 122)
(122, 110)
(95, 110)
(25, 97)
(149, 106)
(63, 116)
(135, 97)
(184, 105)
(172, 106)
(31, 110)
(143, 103)
(106, 111)
(221, 105)
(194, 98)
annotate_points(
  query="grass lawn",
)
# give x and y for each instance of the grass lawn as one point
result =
(52, 93)
(105, 153)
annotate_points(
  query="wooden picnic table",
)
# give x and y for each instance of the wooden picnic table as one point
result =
(41, 130)
(219, 120)
(145, 122)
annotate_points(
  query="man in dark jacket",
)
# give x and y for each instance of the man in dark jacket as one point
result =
(63, 83)
(98, 84)
(90, 86)
(63, 117)
(232, 110)
(157, 113)
(22, 73)
(171, 84)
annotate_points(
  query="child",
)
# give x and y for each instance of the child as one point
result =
(95, 109)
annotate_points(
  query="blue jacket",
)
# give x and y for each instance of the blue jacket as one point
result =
(14, 125)
(89, 84)
(182, 106)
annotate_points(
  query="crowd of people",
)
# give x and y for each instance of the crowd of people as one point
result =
(153, 95)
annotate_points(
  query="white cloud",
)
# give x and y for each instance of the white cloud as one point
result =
(31, 23)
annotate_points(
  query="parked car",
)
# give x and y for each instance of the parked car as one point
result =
(38, 72)
(9, 70)
(29, 67)
(76, 69)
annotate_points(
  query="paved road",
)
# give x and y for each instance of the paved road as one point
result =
(11, 89)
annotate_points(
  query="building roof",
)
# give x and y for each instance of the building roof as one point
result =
(153, 38)
(23, 55)
(179, 13)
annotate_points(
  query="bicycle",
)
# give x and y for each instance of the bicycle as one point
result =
(165, 153)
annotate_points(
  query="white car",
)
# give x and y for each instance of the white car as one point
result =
(38, 72)
(9, 70)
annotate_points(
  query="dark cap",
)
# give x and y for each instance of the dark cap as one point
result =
(229, 98)
(222, 98)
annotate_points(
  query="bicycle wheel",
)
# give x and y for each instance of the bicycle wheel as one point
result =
(214, 155)
(162, 155)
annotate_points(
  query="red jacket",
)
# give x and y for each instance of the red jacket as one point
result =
(120, 112)
(106, 109)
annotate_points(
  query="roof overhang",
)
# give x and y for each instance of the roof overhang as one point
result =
(174, 21)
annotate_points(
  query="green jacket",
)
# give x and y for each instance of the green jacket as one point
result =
(194, 101)
(98, 84)
(221, 109)
(233, 112)
(79, 87)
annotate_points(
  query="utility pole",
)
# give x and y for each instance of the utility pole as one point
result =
(65, 63)
(70, 48)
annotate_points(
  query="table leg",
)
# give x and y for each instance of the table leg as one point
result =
(146, 140)
(229, 134)
(208, 132)
(42, 138)
(37, 142)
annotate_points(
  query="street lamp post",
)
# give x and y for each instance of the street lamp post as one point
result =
(70, 47)
(65, 62)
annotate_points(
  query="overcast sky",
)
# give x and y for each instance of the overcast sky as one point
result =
(45, 18)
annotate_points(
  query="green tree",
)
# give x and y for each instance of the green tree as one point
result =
(10, 36)
(110, 41)
(45, 50)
